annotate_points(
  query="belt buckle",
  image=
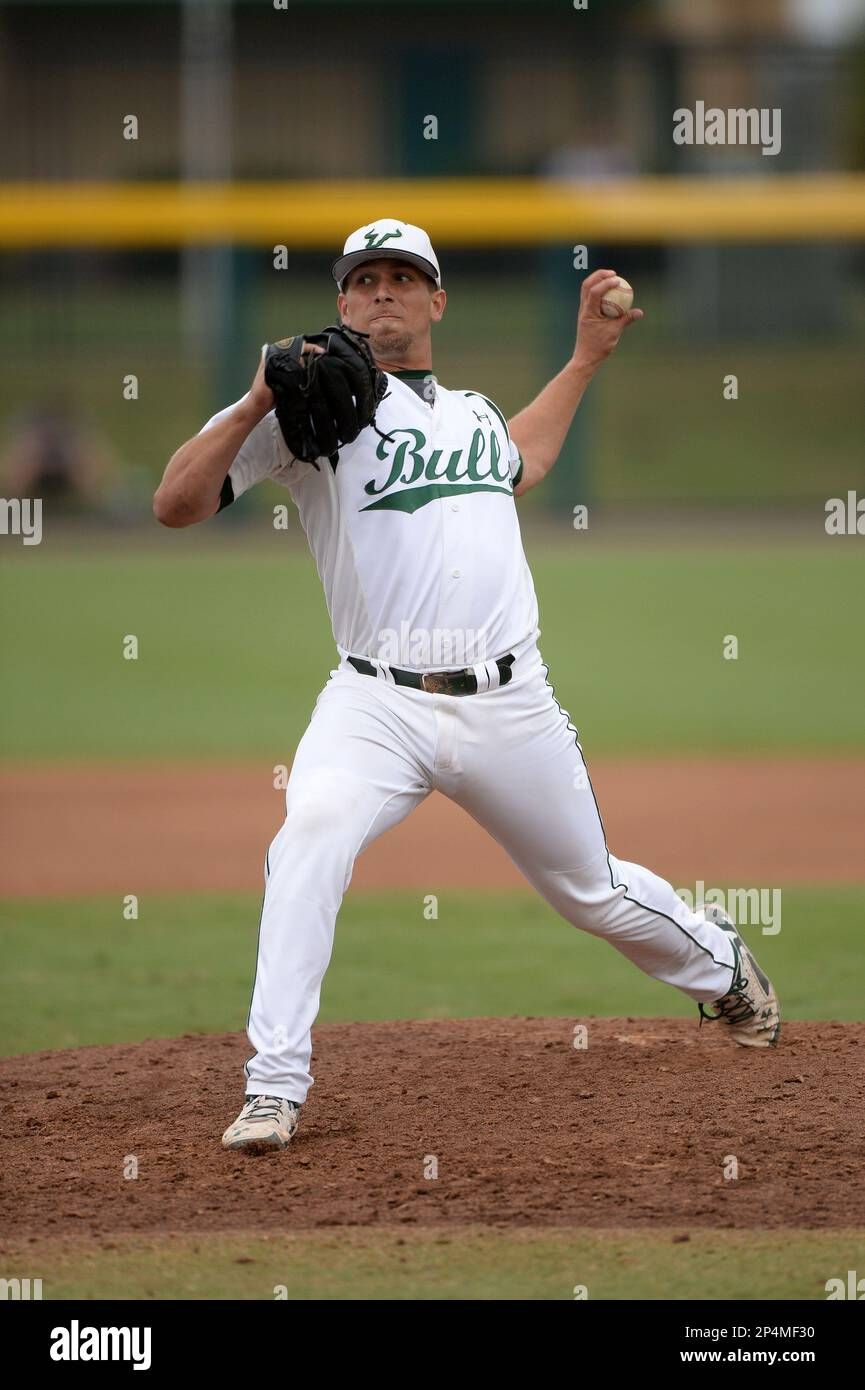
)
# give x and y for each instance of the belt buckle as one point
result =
(434, 682)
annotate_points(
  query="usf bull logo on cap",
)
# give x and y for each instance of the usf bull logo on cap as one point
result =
(374, 238)
(388, 236)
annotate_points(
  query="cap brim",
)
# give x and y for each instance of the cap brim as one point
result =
(344, 264)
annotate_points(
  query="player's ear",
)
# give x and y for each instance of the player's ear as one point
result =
(341, 303)
(438, 300)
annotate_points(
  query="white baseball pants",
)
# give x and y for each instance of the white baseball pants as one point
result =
(510, 757)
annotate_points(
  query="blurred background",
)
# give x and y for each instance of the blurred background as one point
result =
(552, 129)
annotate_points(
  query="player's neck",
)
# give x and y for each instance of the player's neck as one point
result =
(411, 354)
(420, 363)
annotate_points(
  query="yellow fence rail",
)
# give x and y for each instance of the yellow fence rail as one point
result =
(456, 212)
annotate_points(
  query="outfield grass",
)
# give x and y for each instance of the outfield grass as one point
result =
(411, 1263)
(234, 646)
(77, 973)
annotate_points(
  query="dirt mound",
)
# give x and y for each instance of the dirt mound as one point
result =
(521, 1127)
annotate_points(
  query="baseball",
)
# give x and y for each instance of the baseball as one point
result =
(618, 301)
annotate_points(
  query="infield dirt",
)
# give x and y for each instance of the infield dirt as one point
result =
(523, 1129)
(204, 827)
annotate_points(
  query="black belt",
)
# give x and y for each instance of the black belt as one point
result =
(463, 682)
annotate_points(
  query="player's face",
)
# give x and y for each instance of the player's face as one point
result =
(395, 303)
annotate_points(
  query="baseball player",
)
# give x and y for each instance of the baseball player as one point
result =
(406, 491)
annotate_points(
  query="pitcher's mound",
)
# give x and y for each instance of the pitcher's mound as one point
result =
(499, 1121)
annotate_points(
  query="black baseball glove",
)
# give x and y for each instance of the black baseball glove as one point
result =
(323, 399)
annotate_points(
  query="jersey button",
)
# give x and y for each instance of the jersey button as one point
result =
(456, 574)
(455, 506)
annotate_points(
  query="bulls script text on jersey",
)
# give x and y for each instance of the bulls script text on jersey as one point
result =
(414, 533)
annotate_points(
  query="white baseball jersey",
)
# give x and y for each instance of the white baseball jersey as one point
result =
(415, 534)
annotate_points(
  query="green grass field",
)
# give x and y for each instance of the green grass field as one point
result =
(77, 973)
(234, 645)
(436, 1263)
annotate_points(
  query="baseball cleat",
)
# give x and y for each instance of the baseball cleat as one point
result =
(265, 1122)
(750, 1008)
